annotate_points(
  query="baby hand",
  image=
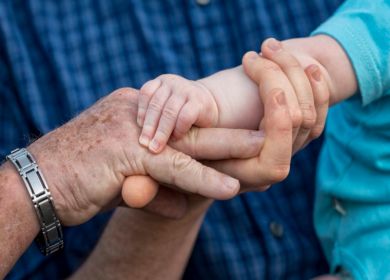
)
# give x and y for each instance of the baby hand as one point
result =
(171, 105)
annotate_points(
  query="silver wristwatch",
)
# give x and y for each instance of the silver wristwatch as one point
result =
(50, 239)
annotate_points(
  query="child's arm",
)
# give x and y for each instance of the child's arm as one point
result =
(171, 104)
(237, 99)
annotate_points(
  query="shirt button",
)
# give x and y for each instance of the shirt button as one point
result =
(203, 2)
(276, 229)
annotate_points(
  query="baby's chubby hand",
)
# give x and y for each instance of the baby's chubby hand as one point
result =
(170, 105)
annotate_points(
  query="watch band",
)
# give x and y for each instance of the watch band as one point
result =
(50, 239)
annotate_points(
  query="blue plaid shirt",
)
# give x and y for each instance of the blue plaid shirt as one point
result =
(58, 57)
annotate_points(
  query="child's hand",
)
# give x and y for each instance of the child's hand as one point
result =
(171, 104)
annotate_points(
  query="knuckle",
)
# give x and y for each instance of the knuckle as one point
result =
(188, 89)
(271, 66)
(180, 130)
(168, 77)
(275, 91)
(155, 106)
(146, 89)
(308, 115)
(291, 63)
(279, 172)
(296, 118)
(124, 94)
(184, 121)
(284, 127)
(122, 91)
(317, 131)
(308, 123)
(145, 94)
(178, 134)
(192, 137)
(303, 134)
(323, 98)
(171, 80)
(169, 113)
(180, 163)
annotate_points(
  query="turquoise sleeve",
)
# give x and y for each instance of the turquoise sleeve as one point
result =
(362, 27)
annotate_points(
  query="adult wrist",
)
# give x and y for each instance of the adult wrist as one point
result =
(118, 255)
(50, 167)
(18, 221)
(50, 239)
(12, 187)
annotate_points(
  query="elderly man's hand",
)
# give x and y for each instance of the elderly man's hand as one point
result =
(86, 161)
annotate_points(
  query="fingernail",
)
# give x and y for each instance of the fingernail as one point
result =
(231, 184)
(274, 45)
(143, 140)
(280, 99)
(315, 72)
(252, 55)
(154, 145)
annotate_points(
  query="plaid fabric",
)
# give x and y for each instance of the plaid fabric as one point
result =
(58, 57)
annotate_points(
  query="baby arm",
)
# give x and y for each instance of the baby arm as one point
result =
(171, 105)
(237, 99)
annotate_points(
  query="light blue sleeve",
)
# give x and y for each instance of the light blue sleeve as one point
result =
(362, 27)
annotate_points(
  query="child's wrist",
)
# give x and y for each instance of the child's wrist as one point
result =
(305, 53)
(215, 108)
(325, 52)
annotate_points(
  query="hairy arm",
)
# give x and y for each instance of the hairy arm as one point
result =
(81, 188)
(19, 224)
(139, 245)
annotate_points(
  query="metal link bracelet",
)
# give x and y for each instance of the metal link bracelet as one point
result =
(50, 239)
